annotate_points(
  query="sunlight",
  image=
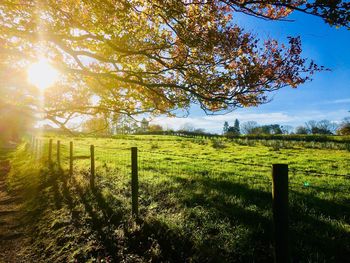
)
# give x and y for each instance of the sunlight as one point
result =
(42, 74)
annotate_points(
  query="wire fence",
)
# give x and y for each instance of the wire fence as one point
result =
(161, 172)
(153, 182)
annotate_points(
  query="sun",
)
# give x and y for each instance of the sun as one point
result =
(41, 74)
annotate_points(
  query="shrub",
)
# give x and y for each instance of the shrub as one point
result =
(217, 144)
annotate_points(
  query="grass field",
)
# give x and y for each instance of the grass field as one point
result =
(201, 200)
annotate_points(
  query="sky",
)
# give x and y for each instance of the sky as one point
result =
(326, 97)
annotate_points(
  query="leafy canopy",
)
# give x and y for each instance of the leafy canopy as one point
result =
(135, 56)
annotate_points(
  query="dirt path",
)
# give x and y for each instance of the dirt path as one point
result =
(13, 239)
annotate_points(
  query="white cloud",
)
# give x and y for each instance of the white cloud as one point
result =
(342, 101)
(338, 101)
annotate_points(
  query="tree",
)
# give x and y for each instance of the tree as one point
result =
(157, 56)
(225, 129)
(321, 127)
(249, 126)
(344, 130)
(199, 131)
(232, 131)
(144, 125)
(275, 129)
(344, 127)
(134, 127)
(236, 127)
(311, 126)
(327, 127)
(287, 129)
(301, 130)
(97, 125)
(267, 129)
(123, 124)
(155, 128)
(187, 127)
(332, 12)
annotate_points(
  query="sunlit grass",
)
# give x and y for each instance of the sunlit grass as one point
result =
(201, 198)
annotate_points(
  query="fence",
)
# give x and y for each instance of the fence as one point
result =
(140, 175)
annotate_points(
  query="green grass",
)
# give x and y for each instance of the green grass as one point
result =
(200, 201)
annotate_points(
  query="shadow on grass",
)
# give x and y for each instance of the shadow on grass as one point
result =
(221, 221)
(317, 226)
(318, 229)
(246, 214)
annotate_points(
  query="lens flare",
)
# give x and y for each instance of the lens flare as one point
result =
(42, 74)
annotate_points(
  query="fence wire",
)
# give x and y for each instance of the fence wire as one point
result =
(113, 169)
(166, 177)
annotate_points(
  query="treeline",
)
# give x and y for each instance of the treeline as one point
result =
(312, 127)
(296, 137)
(286, 137)
(323, 130)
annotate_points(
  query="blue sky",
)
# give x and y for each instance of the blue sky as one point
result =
(326, 97)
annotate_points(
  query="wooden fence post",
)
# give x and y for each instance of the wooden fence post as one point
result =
(92, 167)
(50, 152)
(134, 182)
(71, 159)
(280, 211)
(58, 153)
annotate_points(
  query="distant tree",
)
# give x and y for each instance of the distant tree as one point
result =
(144, 125)
(301, 130)
(327, 127)
(344, 127)
(188, 127)
(118, 122)
(236, 127)
(257, 130)
(267, 129)
(287, 129)
(199, 131)
(321, 127)
(311, 126)
(97, 125)
(155, 128)
(225, 129)
(127, 128)
(344, 130)
(114, 120)
(232, 131)
(248, 127)
(123, 124)
(275, 129)
(134, 127)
